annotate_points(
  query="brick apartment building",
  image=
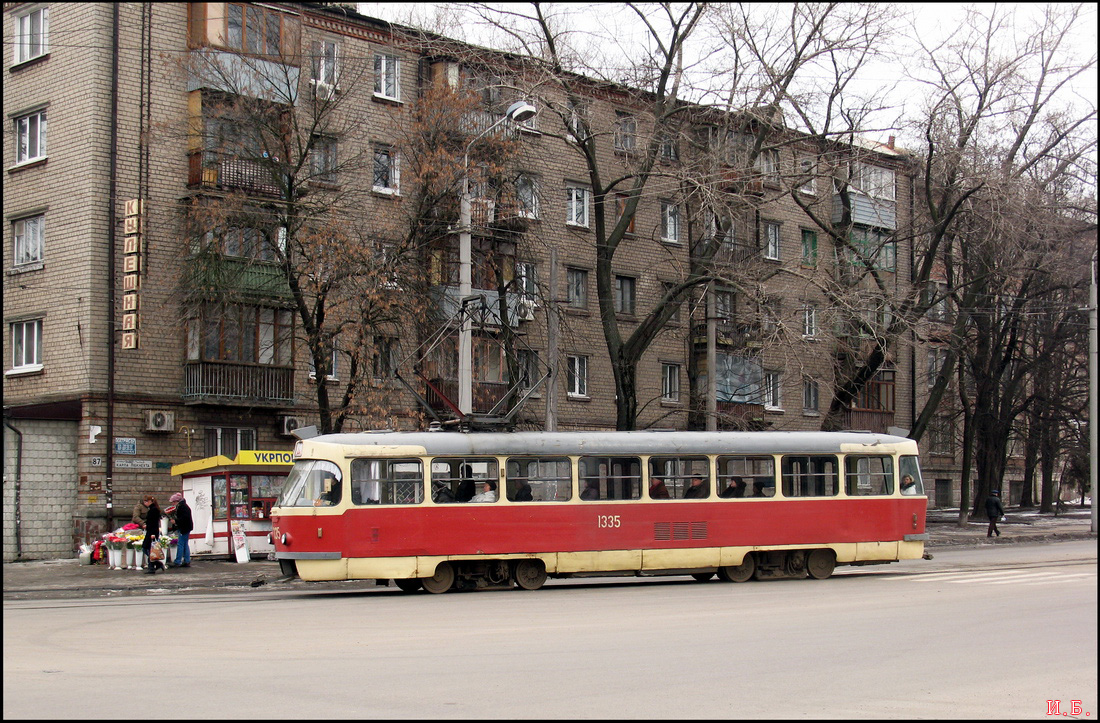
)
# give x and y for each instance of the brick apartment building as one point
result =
(108, 380)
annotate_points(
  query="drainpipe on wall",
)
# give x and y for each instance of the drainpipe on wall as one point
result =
(112, 200)
(18, 491)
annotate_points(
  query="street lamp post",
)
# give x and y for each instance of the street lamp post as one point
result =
(518, 112)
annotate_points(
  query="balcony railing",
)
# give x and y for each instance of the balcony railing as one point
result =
(486, 395)
(234, 383)
(867, 420)
(210, 170)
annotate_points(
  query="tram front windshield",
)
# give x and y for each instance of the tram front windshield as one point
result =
(312, 483)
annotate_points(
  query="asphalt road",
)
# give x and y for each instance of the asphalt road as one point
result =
(990, 632)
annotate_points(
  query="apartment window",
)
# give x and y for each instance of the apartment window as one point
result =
(325, 70)
(30, 137)
(936, 359)
(724, 305)
(877, 395)
(873, 249)
(384, 362)
(670, 382)
(228, 441)
(333, 367)
(666, 287)
(670, 222)
(767, 163)
(771, 391)
(238, 333)
(32, 34)
(624, 294)
(875, 181)
(810, 391)
(807, 171)
(26, 345)
(620, 209)
(527, 367)
(577, 291)
(626, 132)
(27, 235)
(387, 82)
(809, 321)
(576, 378)
(936, 296)
(527, 281)
(259, 31)
(323, 160)
(669, 151)
(387, 175)
(577, 206)
(527, 196)
(809, 248)
(243, 242)
(577, 125)
(771, 240)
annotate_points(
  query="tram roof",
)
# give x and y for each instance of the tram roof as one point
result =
(614, 443)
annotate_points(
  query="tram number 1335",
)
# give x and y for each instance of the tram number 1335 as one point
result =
(608, 521)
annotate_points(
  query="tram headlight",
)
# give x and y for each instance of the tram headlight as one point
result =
(284, 539)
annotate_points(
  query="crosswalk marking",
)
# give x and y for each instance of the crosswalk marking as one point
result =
(1005, 577)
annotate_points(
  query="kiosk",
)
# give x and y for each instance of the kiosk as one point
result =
(230, 496)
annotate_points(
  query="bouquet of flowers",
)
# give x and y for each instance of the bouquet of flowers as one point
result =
(136, 541)
(166, 541)
(115, 542)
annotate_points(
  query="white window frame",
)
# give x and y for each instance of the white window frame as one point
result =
(626, 294)
(387, 72)
(26, 346)
(576, 292)
(527, 196)
(326, 69)
(811, 396)
(670, 222)
(576, 377)
(24, 133)
(626, 132)
(324, 159)
(28, 240)
(767, 164)
(670, 382)
(333, 374)
(394, 170)
(25, 37)
(876, 181)
(807, 166)
(771, 240)
(772, 390)
(809, 321)
(577, 206)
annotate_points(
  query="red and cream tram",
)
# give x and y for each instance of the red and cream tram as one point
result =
(447, 510)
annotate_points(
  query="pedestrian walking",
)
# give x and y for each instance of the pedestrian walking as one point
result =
(152, 531)
(184, 525)
(994, 510)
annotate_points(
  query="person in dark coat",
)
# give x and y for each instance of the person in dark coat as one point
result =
(993, 510)
(152, 531)
(698, 490)
(184, 524)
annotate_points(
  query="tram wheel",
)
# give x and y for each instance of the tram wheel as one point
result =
(408, 584)
(702, 576)
(441, 581)
(821, 563)
(738, 573)
(530, 574)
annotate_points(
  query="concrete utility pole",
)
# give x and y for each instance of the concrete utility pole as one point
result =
(1093, 451)
(519, 112)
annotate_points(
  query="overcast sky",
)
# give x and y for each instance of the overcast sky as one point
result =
(614, 27)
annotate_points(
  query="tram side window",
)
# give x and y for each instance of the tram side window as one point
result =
(682, 477)
(460, 479)
(387, 482)
(869, 475)
(539, 479)
(909, 466)
(809, 476)
(610, 478)
(746, 477)
(312, 483)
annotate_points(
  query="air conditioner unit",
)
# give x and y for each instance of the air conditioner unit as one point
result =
(159, 420)
(526, 310)
(288, 423)
(323, 90)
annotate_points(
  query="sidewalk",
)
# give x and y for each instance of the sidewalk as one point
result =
(56, 579)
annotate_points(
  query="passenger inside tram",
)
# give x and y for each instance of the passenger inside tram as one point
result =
(698, 489)
(736, 488)
(657, 489)
(488, 492)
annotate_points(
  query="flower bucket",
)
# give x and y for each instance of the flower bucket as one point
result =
(127, 556)
(114, 558)
(139, 558)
